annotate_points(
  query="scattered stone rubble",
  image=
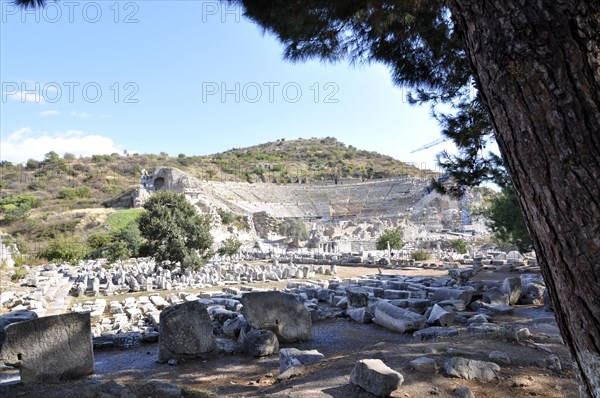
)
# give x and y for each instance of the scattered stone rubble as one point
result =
(46, 285)
(50, 284)
(194, 321)
(427, 307)
(137, 275)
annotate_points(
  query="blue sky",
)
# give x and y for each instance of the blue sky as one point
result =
(189, 77)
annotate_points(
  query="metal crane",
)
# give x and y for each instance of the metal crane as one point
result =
(433, 143)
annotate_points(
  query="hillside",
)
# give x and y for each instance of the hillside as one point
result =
(59, 195)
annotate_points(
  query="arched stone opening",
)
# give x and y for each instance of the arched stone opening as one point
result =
(159, 183)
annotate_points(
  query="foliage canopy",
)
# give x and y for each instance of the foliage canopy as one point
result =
(15, 207)
(294, 229)
(393, 236)
(66, 248)
(230, 247)
(175, 232)
(506, 222)
(459, 245)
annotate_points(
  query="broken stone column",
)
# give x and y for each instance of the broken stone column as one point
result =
(398, 319)
(375, 377)
(51, 348)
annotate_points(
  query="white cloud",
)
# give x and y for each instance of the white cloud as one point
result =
(49, 113)
(83, 115)
(24, 144)
(29, 91)
(24, 96)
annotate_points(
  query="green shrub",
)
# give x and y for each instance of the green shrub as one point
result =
(98, 243)
(15, 207)
(37, 185)
(459, 245)
(393, 236)
(19, 274)
(74, 193)
(98, 239)
(66, 248)
(227, 217)
(19, 261)
(420, 255)
(130, 237)
(117, 250)
(33, 222)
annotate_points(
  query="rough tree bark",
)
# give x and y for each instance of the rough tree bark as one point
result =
(537, 63)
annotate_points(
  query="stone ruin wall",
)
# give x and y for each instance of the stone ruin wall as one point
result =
(368, 207)
(375, 198)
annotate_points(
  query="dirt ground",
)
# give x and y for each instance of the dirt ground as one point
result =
(343, 342)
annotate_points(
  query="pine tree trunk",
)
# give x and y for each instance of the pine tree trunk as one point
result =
(537, 65)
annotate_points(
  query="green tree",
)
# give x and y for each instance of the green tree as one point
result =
(505, 220)
(174, 231)
(51, 157)
(32, 164)
(459, 245)
(131, 237)
(97, 243)
(294, 229)
(393, 236)
(230, 247)
(117, 250)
